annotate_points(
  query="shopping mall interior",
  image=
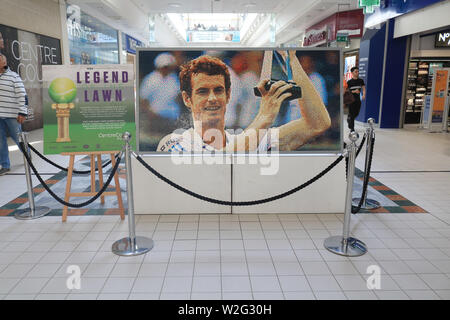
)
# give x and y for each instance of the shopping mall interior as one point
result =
(198, 249)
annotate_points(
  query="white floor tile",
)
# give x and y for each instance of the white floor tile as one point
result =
(422, 295)
(180, 245)
(261, 269)
(43, 270)
(90, 285)
(315, 268)
(98, 270)
(265, 283)
(231, 244)
(259, 256)
(16, 270)
(29, 286)
(148, 284)
(360, 295)
(410, 282)
(330, 295)
(56, 285)
(207, 284)
(208, 244)
(283, 256)
(143, 296)
(308, 255)
(351, 282)
(436, 281)
(152, 270)
(268, 296)
(301, 295)
(177, 284)
(126, 270)
(180, 269)
(113, 296)
(236, 284)
(392, 295)
(342, 268)
(207, 269)
(443, 294)
(323, 283)
(82, 296)
(206, 295)
(288, 269)
(294, 283)
(422, 266)
(118, 285)
(255, 244)
(234, 269)
(182, 256)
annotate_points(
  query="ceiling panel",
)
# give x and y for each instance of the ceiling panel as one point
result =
(208, 6)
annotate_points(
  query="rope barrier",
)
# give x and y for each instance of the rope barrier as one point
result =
(62, 168)
(73, 205)
(366, 179)
(238, 203)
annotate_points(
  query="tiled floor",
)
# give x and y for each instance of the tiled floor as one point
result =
(244, 256)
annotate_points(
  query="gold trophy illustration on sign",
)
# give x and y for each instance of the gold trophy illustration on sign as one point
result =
(62, 91)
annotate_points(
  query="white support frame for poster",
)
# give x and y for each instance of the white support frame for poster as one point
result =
(434, 127)
(240, 180)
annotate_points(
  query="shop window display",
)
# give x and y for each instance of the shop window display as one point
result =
(90, 41)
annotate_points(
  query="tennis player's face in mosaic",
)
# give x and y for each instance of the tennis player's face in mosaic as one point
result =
(209, 99)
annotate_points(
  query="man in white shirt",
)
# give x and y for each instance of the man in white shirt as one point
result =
(13, 110)
(205, 84)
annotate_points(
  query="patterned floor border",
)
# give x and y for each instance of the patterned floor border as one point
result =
(403, 204)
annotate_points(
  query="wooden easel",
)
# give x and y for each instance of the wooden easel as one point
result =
(92, 155)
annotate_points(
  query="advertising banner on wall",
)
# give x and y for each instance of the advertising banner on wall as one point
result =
(439, 98)
(87, 108)
(26, 53)
(198, 101)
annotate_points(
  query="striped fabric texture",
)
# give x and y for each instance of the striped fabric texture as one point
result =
(12, 95)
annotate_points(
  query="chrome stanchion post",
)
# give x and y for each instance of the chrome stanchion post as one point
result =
(132, 245)
(345, 245)
(368, 203)
(32, 212)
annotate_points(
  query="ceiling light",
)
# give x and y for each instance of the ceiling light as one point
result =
(174, 5)
(250, 4)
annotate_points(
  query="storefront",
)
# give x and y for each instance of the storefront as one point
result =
(90, 40)
(429, 51)
(342, 29)
(396, 53)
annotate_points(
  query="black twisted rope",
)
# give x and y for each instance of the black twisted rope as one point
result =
(73, 205)
(366, 178)
(62, 168)
(238, 203)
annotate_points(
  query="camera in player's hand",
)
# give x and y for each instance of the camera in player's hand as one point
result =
(296, 91)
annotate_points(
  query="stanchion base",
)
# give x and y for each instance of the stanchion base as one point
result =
(369, 205)
(353, 248)
(28, 214)
(123, 247)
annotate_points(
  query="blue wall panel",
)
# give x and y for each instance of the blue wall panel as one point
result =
(371, 62)
(393, 82)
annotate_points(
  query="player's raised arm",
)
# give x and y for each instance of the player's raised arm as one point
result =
(315, 118)
(271, 100)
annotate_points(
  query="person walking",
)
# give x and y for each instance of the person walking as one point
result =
(13, 110)
(355, 85)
